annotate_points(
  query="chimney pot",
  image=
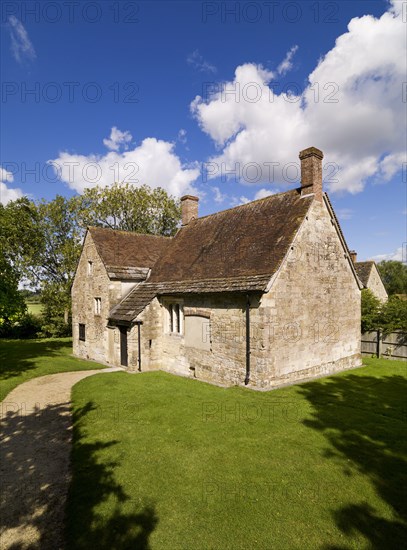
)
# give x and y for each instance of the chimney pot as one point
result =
(311, 172)
(353, 256)
(189, 209)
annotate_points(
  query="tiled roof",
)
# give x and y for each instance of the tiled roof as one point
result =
(248, 240)
(363, 269)
(134, 303)
(236, 250)
(122, 250)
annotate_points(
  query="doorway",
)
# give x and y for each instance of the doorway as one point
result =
(123, 347)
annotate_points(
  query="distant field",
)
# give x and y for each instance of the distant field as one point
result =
(34, 308)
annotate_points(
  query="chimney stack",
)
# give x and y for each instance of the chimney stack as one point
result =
(311, 172)
(189, 209)
(353, 256)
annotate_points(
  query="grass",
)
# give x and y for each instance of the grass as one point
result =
(35, 308)
(163, 462)
(21, 360)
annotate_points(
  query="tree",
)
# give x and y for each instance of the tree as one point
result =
(393, 315)
(56, 262)
(394, 276)
(129, 208)
(12, 303)
(16, 240)
(371, 307)
(42, 242)
(21, 239)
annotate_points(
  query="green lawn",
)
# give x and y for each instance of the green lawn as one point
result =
(164, 462)
(21, 360)
(35, 308)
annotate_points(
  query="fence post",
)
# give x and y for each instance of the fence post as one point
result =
(379, 344)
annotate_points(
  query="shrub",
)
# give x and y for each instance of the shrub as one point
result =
(371, 307)
(27, 326)
(55, 327)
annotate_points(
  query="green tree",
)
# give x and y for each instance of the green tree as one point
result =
(16, 241)
(42, 242)
(12, 302)
(371, 308)
(123, 206)
(20, 237)
(393, 315)
(55, 264)
(394, 276)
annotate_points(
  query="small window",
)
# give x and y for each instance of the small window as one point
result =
(175, 318)
(98, 306)
(90, 268)
(82, 332)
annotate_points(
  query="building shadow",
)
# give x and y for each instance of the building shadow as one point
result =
(35, 485)
(363, 419)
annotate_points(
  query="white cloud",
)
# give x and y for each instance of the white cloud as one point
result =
(219, 196)
(396, 255)
(352, 109)
(196, 61)
(397, 6)
(117, 139)
(390, 165)
(7, 194)
(263, 193)
(182, 136)
(238, 201)
(153, 162)
(286, 65)
(21, 45)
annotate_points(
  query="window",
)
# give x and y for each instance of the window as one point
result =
(82, 332)
(90, 268)
(98, 305)
(175, 318)
(197, 332)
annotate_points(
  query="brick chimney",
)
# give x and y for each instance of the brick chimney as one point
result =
(311, 172)
(189, 209)
(353, 256)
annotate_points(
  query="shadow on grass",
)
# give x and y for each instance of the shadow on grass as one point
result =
(18, 356)
(100, 514)
(34, 484)
(364, 421)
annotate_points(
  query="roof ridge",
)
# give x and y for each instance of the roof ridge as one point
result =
(125, 231)
(366, 262)
(241, 206)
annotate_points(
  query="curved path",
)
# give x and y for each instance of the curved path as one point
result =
(35, 446)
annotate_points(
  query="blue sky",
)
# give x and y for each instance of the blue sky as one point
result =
(203, 97)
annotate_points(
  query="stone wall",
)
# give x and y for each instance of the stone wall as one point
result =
(308, 324)
(376, 285)
(86, 287)
(224, 363)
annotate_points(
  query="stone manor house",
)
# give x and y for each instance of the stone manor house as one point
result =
(263, 294)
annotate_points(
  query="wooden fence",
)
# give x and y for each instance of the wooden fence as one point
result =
(387, 346)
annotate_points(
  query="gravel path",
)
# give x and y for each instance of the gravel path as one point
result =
(35, 445)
